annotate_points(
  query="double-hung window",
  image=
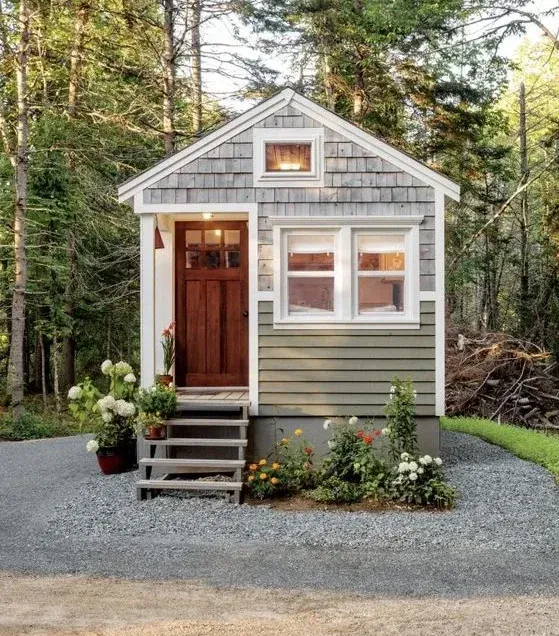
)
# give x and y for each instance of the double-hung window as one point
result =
(353, 274)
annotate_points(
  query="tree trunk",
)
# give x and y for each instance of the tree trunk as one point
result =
(43, 370)
(76, 57)
(196, 64)
(55, 367)
(525, 309)
(16, 369)
(169, 72)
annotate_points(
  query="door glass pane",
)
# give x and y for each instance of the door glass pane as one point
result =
(311, 295)
(213, 260)
(192, 260)
(232, 239)
(193, 238)
(310, 253)
(383, 294)
(213, 238)
(232, 259)
(381, 252)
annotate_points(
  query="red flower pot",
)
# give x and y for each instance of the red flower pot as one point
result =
(112, 460)
(155, 432)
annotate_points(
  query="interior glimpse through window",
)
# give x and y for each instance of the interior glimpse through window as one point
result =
(288, 157)
(381, 270)
(310, 272)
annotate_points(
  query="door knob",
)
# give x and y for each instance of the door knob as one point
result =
(245, 314)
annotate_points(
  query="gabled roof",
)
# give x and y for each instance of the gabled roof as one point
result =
(268, 107)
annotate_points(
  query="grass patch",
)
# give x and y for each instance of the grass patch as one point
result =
(535, 446)
(38, 423)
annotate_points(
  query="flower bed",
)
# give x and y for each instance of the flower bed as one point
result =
(364, 467)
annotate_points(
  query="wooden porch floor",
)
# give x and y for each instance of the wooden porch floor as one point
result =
(233, 395)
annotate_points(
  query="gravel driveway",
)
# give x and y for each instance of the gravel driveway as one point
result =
(59, 515)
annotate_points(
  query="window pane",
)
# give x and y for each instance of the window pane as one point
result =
(232, 259)
(213, 260)
(311, 295)
(232, 239)
(192, 260)
(377, 295)
(310, 253)
(381, 252)
(213, 237)
(193, 238)
(286, 157)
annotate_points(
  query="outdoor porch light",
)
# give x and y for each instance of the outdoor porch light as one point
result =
(207, 216)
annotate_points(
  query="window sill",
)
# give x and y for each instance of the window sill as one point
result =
(316, 323)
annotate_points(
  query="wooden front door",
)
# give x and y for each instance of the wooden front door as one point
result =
(211, 260)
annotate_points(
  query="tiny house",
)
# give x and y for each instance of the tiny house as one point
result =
(302, 260)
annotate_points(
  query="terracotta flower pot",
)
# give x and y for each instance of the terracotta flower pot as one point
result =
(155, 432)
(166, 380)
(112, 460)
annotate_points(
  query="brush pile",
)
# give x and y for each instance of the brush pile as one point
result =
(501, 378)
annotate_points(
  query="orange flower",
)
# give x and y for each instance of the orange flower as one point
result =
(253, 467)
(274, 480)
(262, 462)
(368, 439)
(298, 432)
(251, 477)
(284, 441)
(275, 466)
(263, 476)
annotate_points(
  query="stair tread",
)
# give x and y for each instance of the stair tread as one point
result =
(188, 484)
(196, 441)
(193, 463)
(175, 421)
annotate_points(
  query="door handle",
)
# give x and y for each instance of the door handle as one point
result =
(245, 314)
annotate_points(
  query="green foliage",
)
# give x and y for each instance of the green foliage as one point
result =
(266, 481)
(533, 446)
(158, 399)
(38, 426)
(336, 490)
(145, 420)
(81, 409)
(400, 418)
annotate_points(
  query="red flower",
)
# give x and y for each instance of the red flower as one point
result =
(360, 434)
(377, 433)
(166, 332)
(308, 450)
(368, 439)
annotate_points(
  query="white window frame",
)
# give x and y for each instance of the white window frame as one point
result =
(288, 179)
(346, 230)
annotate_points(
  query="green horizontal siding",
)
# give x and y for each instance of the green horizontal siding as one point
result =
(342, 372)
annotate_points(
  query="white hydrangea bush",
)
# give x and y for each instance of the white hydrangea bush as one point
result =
(420, 480)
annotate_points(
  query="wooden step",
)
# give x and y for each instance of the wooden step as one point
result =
(202, 422)
(188, 484)
(226, 464)
(195, 441)
(203, 404)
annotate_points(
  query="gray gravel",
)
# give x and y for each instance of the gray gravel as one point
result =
(58, 514)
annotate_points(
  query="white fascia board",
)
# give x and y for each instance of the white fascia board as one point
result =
(384, 150)
(200, 147)
(356, 221)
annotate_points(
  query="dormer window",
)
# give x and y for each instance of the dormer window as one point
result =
(288, 157)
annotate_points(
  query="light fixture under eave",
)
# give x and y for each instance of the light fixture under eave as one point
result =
(158, 239)
(289, 165)
(207, 216)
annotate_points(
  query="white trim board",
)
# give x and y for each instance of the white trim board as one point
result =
(440, 306)
(336, 221)
(241, 123)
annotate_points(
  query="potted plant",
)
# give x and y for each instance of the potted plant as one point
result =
(158, 400)
(168, 344)
(113, 414)
(151, 425)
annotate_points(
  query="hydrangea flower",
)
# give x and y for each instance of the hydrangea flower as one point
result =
(420, 470)
(92, 446)
(403, 467)
(122, 368)
(106, 367)
(130, 378)
(331, 444)
(326, 424)
(425, 460)
(438, 461)
(413, 466)
(106, 403)
(405, 457)
(413, 476)
(107, 416)
(353, 420)
(74, 393)
(385, 431)
(124, 408)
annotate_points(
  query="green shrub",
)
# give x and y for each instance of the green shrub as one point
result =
(296, 458)
(533, 446)
(266, 481)
(158, 399)
(336, 490)
(400, 419)
(35, 426)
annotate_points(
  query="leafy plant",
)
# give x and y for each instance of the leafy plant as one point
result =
(296, 458)
(159, 399)
(145, 420)
(400, 419)
(336, 490)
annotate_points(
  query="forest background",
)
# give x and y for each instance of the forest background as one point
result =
(93, 91)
